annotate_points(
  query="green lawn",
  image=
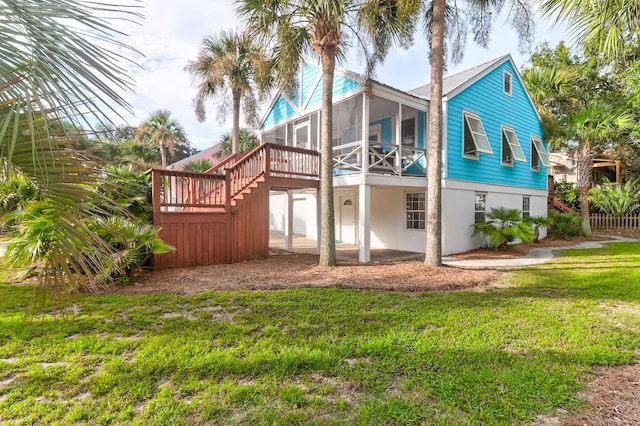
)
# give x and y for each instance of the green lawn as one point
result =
(325, 356)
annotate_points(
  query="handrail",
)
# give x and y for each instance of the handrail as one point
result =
(224, 164)
(178, 189)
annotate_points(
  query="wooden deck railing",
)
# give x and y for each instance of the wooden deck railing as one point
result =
(227, 163)
(382, 158)
(607, 222)
(177, 190)
(188, 191)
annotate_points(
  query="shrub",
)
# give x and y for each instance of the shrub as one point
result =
(567, 194)
(134, 244)
(536, 222)
(503, 227)
(616, 200)
(564, 225)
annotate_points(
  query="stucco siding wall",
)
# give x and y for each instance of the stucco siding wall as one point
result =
(486, 98)
(458, 208)
(388, 227)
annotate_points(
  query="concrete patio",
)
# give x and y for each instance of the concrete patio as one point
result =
(348, 252)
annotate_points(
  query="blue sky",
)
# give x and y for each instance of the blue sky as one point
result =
(171, 33)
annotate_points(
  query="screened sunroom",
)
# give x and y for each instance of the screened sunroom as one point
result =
(392, 144)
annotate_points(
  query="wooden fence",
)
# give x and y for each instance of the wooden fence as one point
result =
(607, 222)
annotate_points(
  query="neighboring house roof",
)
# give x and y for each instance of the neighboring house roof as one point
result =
(210, 154)
(458, 82)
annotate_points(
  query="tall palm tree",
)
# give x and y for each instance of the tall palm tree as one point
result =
(609, 25)
(231, 62)
(444, 19)
(549, 88)
(162, 131)
(592, 124)
(294, 28)
(52, 70)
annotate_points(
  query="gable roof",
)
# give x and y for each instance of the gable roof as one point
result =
(456, 83)
(210, 154)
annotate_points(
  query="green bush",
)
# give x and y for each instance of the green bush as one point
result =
(567, 194)
(564, 225)
(503, 227)
(616, 199)
(134, 244)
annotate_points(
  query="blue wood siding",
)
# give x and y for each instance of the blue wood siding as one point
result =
(279, 113)
(282, 110)
(486, 98)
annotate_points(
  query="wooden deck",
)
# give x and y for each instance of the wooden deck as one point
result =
(222, 215)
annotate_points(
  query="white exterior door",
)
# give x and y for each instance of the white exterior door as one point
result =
(347, 226)
(302, 135)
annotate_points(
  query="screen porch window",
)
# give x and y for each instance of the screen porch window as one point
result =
(538, 154)
(511, 149)
(474, 137)
(409, 132)
(415, 210)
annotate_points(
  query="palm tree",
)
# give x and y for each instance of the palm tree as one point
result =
(610, 25)
(248, 141)
(231, 62)
(591, 124)
(443, 19)
(52, 70)
(549, 87)
(162, 131)
(298, 27)
(198, 166)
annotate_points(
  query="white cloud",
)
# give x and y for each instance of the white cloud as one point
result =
(171, 33)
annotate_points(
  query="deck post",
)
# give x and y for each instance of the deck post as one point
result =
(288, 222)
(364, 216)
(228, 217)
(155, 196)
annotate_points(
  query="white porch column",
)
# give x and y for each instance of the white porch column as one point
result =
(288, 222)
(318, 220)
(364, 222)
(399, 140)
(365, 134)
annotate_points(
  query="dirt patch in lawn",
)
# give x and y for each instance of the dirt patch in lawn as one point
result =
(302, 270)
(613, 399)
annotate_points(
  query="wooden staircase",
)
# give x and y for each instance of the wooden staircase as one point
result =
(222, 215)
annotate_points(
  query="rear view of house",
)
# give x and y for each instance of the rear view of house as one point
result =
(493, 152)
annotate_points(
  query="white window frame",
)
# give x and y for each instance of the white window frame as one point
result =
(538, 152)
(421, 220)
(507, 76)
(478, 136)
(526, 206)
(508, 134)
(476, 210)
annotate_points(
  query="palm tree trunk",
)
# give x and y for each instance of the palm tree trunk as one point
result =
(163, 156)
(327, 225)
(433, 254)
(584, 183)
(235, 142)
